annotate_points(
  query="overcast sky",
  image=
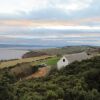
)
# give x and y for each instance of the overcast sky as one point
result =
(50, 22)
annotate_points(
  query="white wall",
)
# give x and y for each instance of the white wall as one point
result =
(61, 64)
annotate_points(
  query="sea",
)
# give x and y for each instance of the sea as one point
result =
(9, 53)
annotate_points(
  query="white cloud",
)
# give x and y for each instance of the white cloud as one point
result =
(62, 27)
(15, 6)
(72, 5)
(52, 36)
(48, 28)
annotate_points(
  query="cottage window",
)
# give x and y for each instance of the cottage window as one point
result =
(63, 60)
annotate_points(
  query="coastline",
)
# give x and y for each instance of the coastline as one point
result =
(10, 53)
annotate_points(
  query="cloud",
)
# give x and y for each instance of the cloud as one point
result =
(18, 6)
(43, 9)
(94, 21)
(70, 6)
(35, 23)
(52, 39)
(53, 36)
(50, 21)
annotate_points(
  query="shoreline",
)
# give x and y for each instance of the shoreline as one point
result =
(8, 53)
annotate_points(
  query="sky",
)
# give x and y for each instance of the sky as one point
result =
(50, 22)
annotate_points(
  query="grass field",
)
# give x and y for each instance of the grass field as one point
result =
(26, 60)
(52, 61)
(49, 62)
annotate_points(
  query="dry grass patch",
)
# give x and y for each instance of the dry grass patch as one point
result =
(26, 60)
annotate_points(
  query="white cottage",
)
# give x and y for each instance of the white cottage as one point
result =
(67, 59)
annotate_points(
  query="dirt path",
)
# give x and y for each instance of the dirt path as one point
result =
(42, 72)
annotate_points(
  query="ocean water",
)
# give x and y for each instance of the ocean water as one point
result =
(6, 54)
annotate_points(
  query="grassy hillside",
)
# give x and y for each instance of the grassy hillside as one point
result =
(26, 60)
(50, 62)
(71, 49)
(23, 68)
(33, 54)
(78, 81)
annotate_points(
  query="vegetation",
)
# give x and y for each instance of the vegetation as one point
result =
(25, 69)
(49, 62)
(26, 60)
(33, 54)
(78, 81)
(71, 49)
(52, 61)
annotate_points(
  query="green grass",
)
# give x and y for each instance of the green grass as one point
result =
(52, 61)
(49, 62)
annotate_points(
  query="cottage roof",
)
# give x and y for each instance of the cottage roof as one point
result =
(77, 57)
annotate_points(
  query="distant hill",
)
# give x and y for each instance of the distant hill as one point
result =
(63, 50)
(33, 54)
(71, 49)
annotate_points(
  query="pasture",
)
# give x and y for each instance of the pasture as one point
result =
(19, 61)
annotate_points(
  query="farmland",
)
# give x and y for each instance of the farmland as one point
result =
(51, 61)
(30, 67)
(19, 61)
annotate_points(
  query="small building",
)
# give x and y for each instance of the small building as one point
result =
(67, 59)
